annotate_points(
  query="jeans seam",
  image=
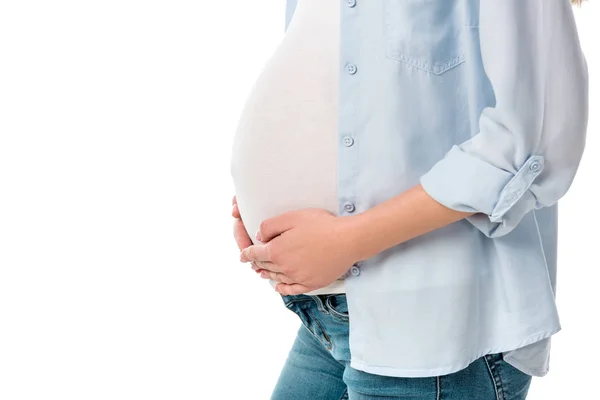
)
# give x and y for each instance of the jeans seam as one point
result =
(501, 384)
(439, 388)
(325, 335)
(493, 377)
(308, 315)
(315, 321)
(497, 370)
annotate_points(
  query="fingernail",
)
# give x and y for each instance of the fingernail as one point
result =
(257, 236)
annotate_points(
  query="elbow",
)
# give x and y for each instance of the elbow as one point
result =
(501, 199)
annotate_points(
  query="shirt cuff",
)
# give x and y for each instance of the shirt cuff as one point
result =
(464, 182)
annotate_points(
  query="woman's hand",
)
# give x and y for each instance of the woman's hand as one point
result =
(239, 232)
(304, 249)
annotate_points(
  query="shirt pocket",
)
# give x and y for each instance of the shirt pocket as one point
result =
(425, 34)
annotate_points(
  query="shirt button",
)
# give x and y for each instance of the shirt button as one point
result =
(355, 270)
(351, 68)
(349, 207)
(348, 141)
(534, 166)
(351, 3)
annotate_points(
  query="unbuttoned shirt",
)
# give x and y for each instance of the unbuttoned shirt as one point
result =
(485, 104)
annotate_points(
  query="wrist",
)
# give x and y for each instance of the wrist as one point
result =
(354, 233)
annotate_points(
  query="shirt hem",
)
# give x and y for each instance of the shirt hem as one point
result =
(428, 372)
(523, 368)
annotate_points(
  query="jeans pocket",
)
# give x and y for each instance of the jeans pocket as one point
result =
(308, 318)
(338, 306)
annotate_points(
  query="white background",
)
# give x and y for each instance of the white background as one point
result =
(119, 275)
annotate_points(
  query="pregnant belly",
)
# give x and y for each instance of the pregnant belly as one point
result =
(284, 154)
(283, 169)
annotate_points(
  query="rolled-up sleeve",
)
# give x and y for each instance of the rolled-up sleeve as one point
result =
(530, 143)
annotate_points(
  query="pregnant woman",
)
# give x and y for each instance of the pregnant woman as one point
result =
(397, 168)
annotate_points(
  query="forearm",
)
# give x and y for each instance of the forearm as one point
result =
(403, 217)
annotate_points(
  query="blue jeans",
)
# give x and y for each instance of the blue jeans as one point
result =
(318, 365)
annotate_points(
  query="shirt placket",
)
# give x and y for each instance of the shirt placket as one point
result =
(348, 167)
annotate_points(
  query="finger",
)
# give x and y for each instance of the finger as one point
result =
(256, 252)
(262, 265)
(235, 212)
(291, 289)
(241, 235)
(276, 276)
(271, 227)
(259, 253)
(266, 274)
(257, 269)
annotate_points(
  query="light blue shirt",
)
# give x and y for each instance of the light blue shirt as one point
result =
(485, 103)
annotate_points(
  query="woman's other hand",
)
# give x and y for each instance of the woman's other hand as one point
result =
(239, 232)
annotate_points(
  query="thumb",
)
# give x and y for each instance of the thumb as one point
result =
(271, 227)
